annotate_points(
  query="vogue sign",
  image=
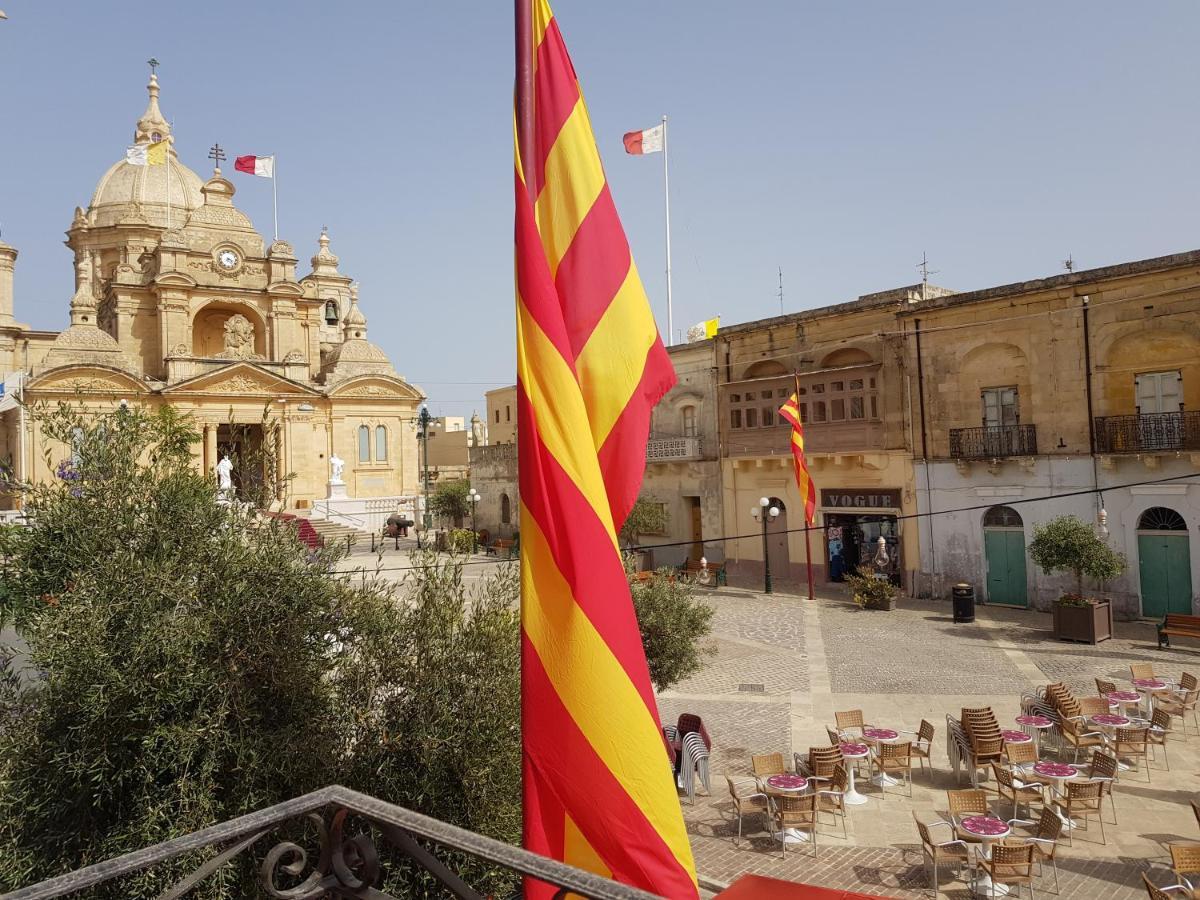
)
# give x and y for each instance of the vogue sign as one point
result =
(887, 498)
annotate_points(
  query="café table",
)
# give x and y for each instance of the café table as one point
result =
(988, 829)
(881, 736)
(1060, 774)
(1124, 698)
(1150, 687)
(1109, 723)
(852, 752)
(1035, 724)
(788, 784)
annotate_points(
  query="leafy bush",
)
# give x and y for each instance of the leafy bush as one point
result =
(1068, 544)
(197, 665)
(673, 621)
(871, 592)
(461, 540)
(646, 517)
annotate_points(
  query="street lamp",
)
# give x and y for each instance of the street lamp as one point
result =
(881, 555)
(473, 498)
(424, 421)
(765, 513)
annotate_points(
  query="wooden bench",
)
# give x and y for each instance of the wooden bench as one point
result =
(692, 567)
(1178, 625)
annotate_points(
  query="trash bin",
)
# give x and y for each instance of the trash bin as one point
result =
(963, 596)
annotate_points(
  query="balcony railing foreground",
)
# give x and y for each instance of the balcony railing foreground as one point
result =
(993, 442)
(345, 866)
(1148, 433)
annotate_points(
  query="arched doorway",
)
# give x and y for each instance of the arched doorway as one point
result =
(777, 542)
(1164, 562)
(1004, 550)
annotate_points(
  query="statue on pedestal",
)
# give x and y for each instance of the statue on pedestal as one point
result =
(338, 465)
(225, 478)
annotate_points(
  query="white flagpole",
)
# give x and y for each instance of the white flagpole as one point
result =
(667, 206)
(275, 193)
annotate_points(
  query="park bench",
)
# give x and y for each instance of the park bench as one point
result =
(509, 546)
(1178, 625)
(692, 568)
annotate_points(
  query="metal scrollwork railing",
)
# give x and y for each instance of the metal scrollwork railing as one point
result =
(1148, 433)
(993, 442)
(344, 865)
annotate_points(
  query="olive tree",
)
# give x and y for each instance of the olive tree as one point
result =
(1068, 544)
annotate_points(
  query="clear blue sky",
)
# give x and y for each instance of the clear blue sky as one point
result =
(836, 140)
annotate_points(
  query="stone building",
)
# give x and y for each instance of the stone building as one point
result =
(849, 372)
(683, 470)
(1083, 382)
(502, 415)
(179, 300)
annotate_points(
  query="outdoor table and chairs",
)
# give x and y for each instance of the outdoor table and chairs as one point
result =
(987, 829)
(1058, 773)
(1081, 798)
(1010, 787)
(1034, 726)
(1124, 698)
(1149, 687)
(877, 736)
(792, 811)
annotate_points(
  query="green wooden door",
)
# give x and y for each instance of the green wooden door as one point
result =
(1166, 574)
(1005, 552)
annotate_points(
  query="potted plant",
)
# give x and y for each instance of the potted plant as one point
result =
(872, 590)
(1068, 544)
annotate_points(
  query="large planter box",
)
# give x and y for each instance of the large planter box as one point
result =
(1088, 624)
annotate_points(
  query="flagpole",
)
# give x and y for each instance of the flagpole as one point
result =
(275, 193)
(807, 524)
(524, 89)
(667, 206)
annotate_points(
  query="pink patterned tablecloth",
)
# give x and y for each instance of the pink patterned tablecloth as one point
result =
(1110, 720)
(1123, 696)
(1153, 684)
(1055, 770)
(787, 782)
(880, 734)
(1035, 721)
(1015, 737)
(985, 826)
(849, 749)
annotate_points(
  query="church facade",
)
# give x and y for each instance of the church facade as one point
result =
(179, 300)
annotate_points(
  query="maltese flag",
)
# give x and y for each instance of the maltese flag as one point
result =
(648, 141)
(263, 166)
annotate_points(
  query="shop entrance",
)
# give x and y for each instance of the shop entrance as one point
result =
(852, 541)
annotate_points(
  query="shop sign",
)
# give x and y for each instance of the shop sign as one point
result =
(849, 498)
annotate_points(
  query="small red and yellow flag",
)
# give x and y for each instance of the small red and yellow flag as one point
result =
(808, 491)
(598, 789)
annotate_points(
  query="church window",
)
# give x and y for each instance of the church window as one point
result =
(381, 444)
(331, 313)
(507, 414)
(364, 443)
(505, 510)
(689, 421)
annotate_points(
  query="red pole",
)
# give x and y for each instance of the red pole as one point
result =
(524, 87)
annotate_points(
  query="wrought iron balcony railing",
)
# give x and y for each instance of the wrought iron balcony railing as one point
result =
(344, 865)
(665, 449)
(1148, 433)
(993, 442)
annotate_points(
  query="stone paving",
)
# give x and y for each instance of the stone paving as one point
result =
(784, 664)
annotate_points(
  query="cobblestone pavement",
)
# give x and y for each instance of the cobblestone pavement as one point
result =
(783, 666)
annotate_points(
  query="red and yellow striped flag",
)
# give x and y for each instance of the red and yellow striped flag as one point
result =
(598, 790)
(808, 490)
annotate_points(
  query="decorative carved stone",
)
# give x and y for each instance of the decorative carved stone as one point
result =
(294, 357)
(244, 384)
(85, 386)
(368, 390)
(239, 338)
(180, 350)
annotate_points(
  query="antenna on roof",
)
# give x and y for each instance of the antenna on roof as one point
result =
(781, 290)
(925, 273)
(1069, 263)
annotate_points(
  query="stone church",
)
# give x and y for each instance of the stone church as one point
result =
(179, 300)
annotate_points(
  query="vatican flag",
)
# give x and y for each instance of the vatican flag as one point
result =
(147, 154)
(702, 331)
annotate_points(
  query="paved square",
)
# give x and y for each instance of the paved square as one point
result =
(812, 658)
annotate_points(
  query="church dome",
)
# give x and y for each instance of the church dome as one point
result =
(129, 193)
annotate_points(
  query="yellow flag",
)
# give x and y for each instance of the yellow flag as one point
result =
(156, 154)
(711, 326)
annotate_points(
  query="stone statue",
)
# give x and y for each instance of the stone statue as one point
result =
(338, 465)
(239, 338)
(225, 476)
(476, 430)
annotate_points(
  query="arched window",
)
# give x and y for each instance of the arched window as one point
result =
(688, 414)
(364, 443)
(1159, 518)
(1002, 517)
(381, 444)
(505, 510)
(331, 313)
